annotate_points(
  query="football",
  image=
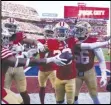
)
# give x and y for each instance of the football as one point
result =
(68, 56)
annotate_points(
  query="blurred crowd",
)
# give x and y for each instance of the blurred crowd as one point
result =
(29, 22)
(19, 11)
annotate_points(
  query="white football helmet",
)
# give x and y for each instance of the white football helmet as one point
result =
(12, 27)
(82, 29)
(62, 31)
(5, 36)
(48, 31)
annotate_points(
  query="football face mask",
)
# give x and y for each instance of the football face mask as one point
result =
(11, 28)
(61, 33)
(48, 32)
(80, 32)
(5, 36)
(82, 29)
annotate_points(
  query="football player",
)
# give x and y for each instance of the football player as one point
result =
(9, 59)
(85, 62)
(17, 74)
(47, 71)
(65, 81)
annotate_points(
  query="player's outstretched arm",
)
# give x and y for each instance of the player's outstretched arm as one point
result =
(102, 64)
(94, 45)
(30, 41)
(19, 62)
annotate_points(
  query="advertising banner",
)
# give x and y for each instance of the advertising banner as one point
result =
(86, 12)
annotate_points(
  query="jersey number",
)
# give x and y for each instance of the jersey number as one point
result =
(64, 50)
(83, 58)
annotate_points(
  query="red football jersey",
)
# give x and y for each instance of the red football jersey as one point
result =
(68, 71)
(55, 47)
(85, 58)
(19, 37)
(51, 45)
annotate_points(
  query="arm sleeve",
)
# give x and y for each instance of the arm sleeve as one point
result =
(99, 54)
(11, 61)
(93, 45)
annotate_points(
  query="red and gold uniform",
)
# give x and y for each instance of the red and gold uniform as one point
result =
(47, 71)
(65, 81)
(16, 74)
(85, 70)
(8, 97)
(19, 37)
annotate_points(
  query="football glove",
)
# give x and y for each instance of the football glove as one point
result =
(40, 47)
(103, 80)
(57, 60)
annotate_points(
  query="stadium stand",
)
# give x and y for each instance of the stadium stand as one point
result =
(28, 20)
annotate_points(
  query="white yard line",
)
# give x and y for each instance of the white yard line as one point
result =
(84, 98)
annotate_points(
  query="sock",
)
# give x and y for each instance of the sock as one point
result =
(76, 100)
(60, 102)
(42, 94)
(25, 97)
(95, 100)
